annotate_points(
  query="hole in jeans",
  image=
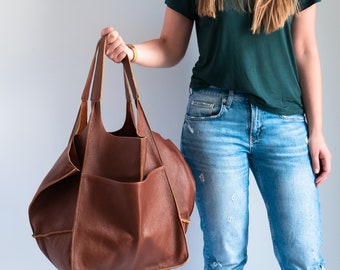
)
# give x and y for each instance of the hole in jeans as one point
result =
(216, 264)
(202, 177)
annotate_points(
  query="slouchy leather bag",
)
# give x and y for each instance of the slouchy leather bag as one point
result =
(114, 200)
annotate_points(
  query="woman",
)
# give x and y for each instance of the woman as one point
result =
(254, 88)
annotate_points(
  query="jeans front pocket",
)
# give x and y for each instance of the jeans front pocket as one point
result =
(203, 106)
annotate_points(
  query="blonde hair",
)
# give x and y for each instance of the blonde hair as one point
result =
(269, 15)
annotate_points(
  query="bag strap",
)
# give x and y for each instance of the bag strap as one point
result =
(99, 71)
(81, 120)
(95, 76)
(130, 79)
(86, 90)
(143, 127)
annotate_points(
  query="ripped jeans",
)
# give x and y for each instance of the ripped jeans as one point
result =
(223, 137)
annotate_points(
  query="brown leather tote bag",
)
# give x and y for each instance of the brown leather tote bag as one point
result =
(114, 200)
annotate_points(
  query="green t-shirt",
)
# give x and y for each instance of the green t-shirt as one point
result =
(231, 57)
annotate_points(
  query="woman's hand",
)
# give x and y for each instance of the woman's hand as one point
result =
(116, 48)
(321, 157)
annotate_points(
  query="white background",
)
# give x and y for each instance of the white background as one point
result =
(45, 51)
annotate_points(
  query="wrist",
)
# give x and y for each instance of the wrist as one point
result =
(314, 124)
(132, 53)
(315, 130)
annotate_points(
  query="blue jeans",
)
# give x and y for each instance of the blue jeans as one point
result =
(223, 137)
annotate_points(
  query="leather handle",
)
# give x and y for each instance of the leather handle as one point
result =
(143, 127)
(95, 76)
(81, 120)
(99, 71)
(86, 90)
(130, 78)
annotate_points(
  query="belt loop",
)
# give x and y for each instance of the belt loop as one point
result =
(230, 98)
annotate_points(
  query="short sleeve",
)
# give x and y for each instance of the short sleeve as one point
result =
(307, 3)
(185, 7)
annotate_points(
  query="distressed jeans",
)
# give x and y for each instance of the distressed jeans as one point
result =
(223, 138)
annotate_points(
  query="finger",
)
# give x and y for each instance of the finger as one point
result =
(325, 171)
(112, 37)
(121, 56)
(105, 31)
(321, 177)
(114, 47)
(117, 54)
(315, 163)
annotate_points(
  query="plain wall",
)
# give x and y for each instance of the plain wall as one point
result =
(45, 52)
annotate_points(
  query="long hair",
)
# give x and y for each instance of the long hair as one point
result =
(268, 15)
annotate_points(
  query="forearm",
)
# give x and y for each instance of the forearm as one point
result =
(170, 47)
(311, 85)
(308, 63)
(154, 53)
(165, 51)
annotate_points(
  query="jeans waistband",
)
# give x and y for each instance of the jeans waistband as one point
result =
(222, 93)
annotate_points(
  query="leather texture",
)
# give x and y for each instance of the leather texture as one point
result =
(114, 200)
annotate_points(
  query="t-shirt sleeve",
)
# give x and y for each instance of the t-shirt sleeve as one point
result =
(185, 7)
(307, 3)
